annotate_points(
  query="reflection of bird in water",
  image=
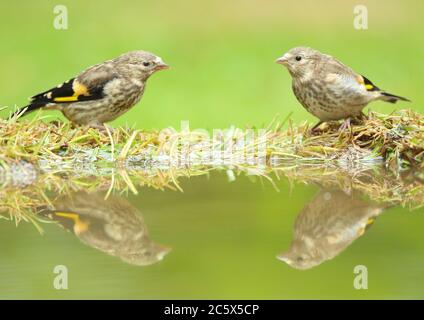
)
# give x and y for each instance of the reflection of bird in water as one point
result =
(113, 226)
(328, 224)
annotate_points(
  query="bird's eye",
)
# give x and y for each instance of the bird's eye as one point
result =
(298, 58)
(146, 64)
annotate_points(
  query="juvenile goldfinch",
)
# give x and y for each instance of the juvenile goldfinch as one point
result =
(327, 88)
(102, 92)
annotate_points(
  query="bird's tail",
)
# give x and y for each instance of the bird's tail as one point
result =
(392, 98)
(66, 219)
(25, 110)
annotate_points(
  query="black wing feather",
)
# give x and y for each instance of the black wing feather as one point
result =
(63, 90)
(369, 83)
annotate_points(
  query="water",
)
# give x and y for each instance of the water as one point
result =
(249, 238)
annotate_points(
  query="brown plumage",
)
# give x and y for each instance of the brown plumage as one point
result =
(327, 88)
(102, 92)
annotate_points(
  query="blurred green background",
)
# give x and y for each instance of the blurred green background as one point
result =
(222, 52)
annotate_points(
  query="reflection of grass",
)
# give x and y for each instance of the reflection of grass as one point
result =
(22, 202)
(376, 183)
(397, 138)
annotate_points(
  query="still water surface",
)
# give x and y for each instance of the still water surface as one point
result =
(248, 238)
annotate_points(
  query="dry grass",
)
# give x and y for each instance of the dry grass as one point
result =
(398, 139)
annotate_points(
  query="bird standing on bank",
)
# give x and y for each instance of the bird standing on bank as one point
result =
(327, 88)
(102, 92)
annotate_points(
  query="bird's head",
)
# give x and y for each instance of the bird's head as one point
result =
(299, 256)
(299, 61)
(297, 261)
(148, 254)
(140, 64)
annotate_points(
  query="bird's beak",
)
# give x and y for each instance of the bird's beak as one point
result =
(161, 66)
(163, 251)
(284, 60)
(284, 258)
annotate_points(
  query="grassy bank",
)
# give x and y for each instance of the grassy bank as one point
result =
(397, 139)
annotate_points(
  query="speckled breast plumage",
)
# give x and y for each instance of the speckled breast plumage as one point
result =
(328, 103)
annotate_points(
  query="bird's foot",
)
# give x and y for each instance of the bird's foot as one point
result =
(55, 123)
(362, 117)
(316, 128)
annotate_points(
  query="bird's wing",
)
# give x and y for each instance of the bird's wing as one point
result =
(333, 65)
(361, 86)
(87, 86)
(337, 70)
(369, 86)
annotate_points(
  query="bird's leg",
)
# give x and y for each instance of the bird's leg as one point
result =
(345, 125)
(102, 127)
(362, 116)
(315, 127)
(108, 129)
